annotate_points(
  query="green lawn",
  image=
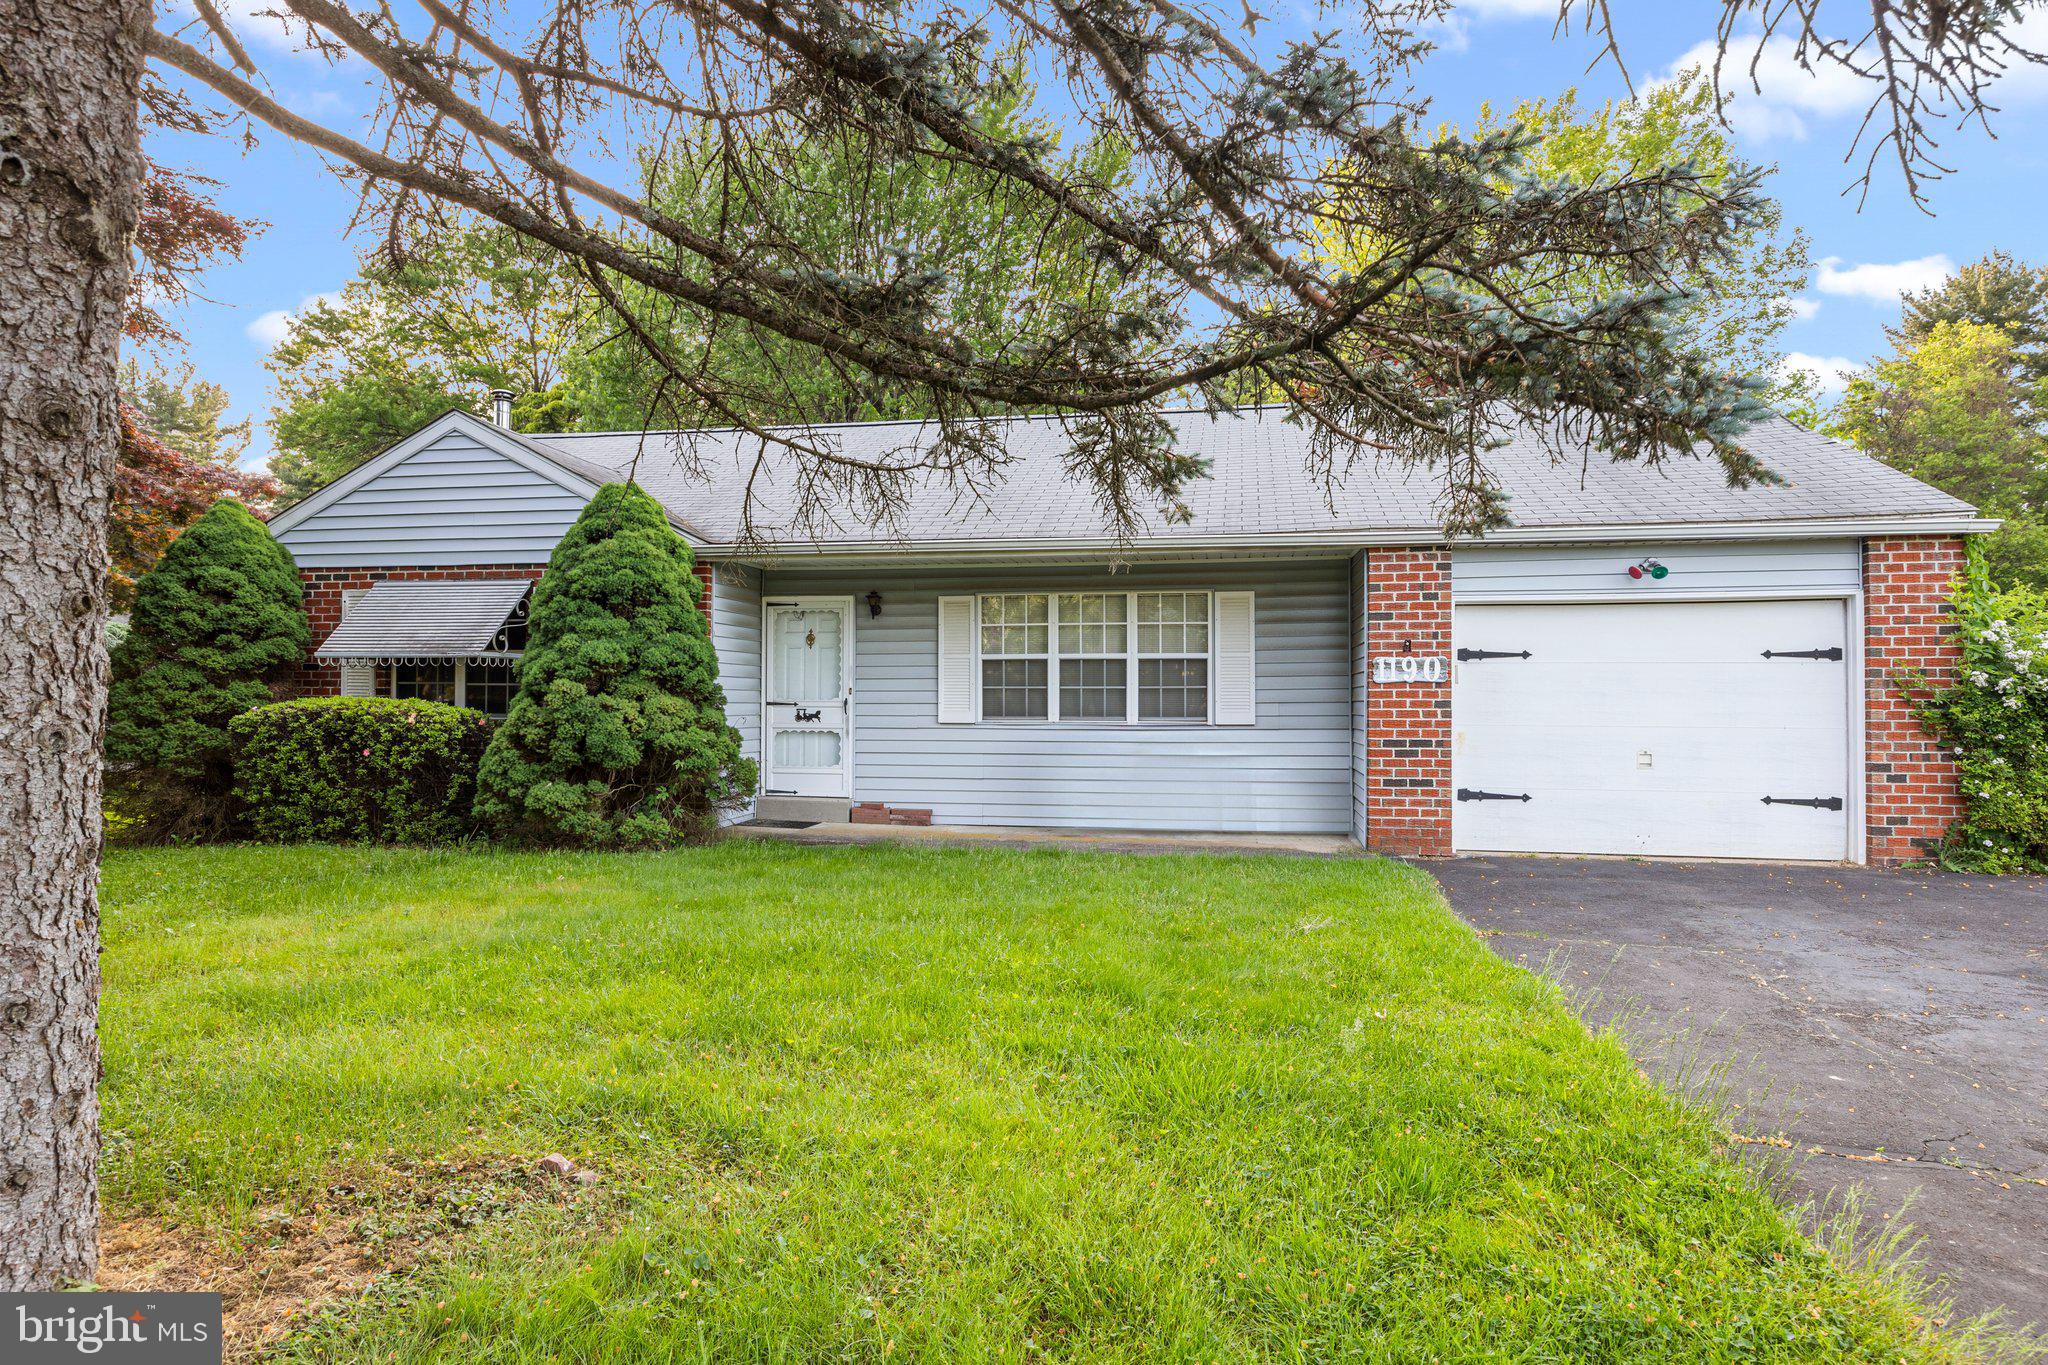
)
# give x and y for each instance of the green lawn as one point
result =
(872, 1103)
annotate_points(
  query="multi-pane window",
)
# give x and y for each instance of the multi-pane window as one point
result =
(1094, 645)
(1173, 655)
(1095, 657)
(1016, 656)
(424, 682)
(489, 688)
(485, 688)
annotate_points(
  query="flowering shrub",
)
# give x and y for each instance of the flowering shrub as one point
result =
(1995, 721)
(358, 769)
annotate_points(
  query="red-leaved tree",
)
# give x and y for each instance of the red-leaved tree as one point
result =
(158, 492)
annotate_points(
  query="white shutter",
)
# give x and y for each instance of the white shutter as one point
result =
(956, 661)
(357, 680)
(1235, 702)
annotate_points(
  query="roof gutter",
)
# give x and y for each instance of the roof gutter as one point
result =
(1832, 528)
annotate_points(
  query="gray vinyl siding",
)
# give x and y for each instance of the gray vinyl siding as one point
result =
(1288, 772)
(736, 636)
(1361, 668)
(454, 502)
(1749, 567)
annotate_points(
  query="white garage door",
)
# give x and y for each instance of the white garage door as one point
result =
(1655, 728)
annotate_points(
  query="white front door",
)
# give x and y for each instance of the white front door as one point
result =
(810, 691)
(1675, 729)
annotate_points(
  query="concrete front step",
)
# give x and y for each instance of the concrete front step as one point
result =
(821, 810)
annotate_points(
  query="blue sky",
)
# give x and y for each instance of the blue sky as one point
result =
(1499, 50)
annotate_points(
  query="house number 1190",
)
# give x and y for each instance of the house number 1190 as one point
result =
(1410, 668)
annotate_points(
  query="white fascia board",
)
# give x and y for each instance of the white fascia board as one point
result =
(493, 438)
(1833, 528)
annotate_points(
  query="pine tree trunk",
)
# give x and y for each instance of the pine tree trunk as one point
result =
(70, 165)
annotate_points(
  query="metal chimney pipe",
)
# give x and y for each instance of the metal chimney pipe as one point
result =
(501, 407)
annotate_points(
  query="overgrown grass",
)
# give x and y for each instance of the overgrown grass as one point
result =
(874, 1103)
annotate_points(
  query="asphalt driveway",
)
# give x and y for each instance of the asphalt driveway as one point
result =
(1897, 1022)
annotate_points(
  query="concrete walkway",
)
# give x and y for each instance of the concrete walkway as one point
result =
(1097, 840)
(1893, 1026)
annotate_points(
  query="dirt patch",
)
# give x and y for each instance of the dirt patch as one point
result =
(289, 1263)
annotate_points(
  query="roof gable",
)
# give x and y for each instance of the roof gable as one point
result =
(543, 463)
(459, 491)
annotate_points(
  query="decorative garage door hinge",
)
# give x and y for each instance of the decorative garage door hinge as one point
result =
(1833, 652)
(1817, 802)
(1467, 655)
(1467, 794)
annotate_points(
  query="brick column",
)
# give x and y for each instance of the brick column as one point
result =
(1408, 725)
(1910, 797)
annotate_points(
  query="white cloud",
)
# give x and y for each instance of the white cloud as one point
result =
(1883, 283)
(1452, 30)
(255, 22)
(1803, 307)
(1770, 95)
(274, 326)
(1831, 371)
(271, 328)
(1508, 9)
(1774, 97)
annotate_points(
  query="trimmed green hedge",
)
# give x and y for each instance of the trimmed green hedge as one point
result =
(358, 770)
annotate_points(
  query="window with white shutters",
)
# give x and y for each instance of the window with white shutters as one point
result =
(1016, 656)
(1175, 657)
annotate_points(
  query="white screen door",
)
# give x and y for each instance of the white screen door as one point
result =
(809, 688)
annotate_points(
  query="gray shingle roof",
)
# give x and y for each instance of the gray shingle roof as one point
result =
(1260, 485)
(404, 620)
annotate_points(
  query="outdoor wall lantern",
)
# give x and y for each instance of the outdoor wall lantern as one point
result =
(874, 603)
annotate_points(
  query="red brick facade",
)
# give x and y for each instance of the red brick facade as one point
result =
(1407, 602)
(324, 587)
(1910, 796)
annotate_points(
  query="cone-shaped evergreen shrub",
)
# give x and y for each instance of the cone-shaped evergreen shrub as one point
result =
(217, 627)
(617, 735)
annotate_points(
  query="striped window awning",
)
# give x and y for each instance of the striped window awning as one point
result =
(404, 623)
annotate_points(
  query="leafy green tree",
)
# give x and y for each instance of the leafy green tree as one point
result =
(617, 736)
(1952, 411)
(484, 309)
(1997, 292)
(185, 412)
(840, 211)
(176, 459)
(1737, 306)
(548, 410)
(218, 626)
(459, 315)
